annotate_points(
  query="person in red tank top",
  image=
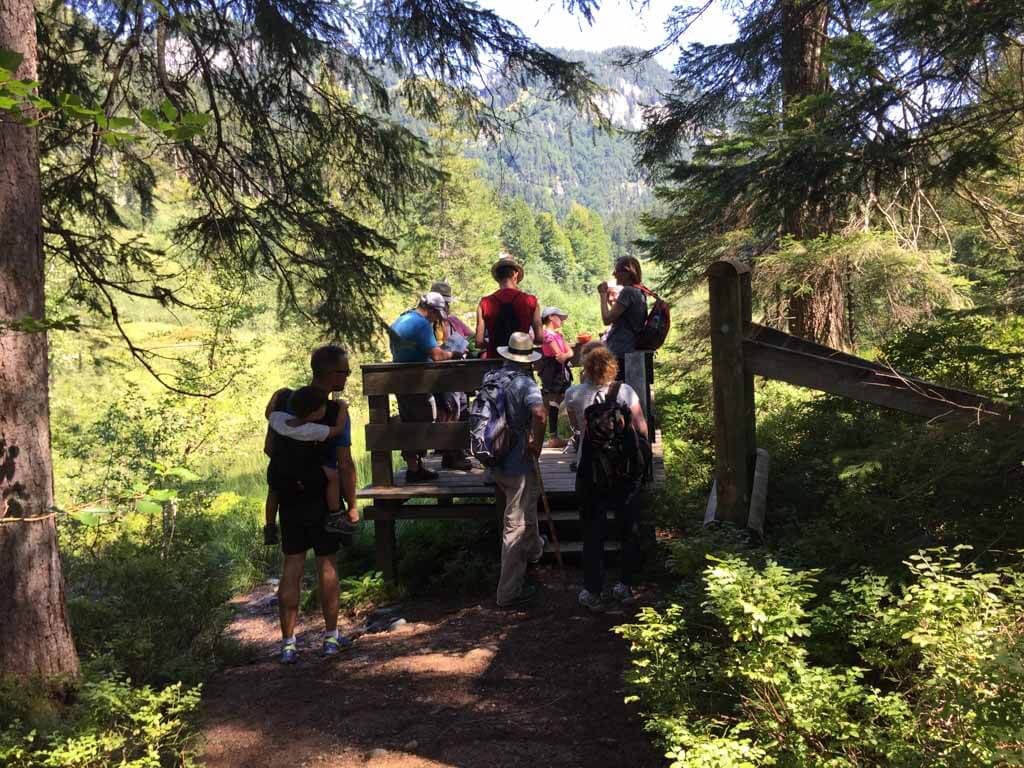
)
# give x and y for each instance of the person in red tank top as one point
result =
(506, 311)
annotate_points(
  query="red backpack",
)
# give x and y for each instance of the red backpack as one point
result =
(657, 325)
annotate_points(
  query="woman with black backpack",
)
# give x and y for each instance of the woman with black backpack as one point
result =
(613, 457)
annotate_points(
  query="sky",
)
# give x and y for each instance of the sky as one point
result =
(615, 24)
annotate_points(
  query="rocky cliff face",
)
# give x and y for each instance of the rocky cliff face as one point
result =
(556, 157)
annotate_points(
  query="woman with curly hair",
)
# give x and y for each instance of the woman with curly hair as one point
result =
(600, 369)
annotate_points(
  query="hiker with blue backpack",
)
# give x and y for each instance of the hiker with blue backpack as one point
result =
(612, 462)
(507, 420)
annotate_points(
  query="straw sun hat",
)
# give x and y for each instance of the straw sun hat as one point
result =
(519, 349)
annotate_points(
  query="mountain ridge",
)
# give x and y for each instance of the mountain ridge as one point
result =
(558, 158)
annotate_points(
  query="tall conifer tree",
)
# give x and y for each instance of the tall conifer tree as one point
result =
(821, 119)
(290, 89)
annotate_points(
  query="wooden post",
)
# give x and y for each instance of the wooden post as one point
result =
(636, 377)
(382, 473)
(734, 445)
(386, 546)
(749, 412)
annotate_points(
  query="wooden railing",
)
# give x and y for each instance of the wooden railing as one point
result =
(384, 435)
(741, 349)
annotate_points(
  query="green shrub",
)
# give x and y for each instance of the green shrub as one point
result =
(455, 557)
(238, 525)
(928, 673)
(362, 593)
(159, 612)
(109, 722)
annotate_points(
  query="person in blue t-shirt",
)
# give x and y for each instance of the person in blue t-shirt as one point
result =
(413, 341)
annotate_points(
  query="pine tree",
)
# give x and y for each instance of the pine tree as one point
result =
(519, 233)
(555, 248)
(590, 244)
(289, 89)
(34, 634)
(453, 230)
(823, 119)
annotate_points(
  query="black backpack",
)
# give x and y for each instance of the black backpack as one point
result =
(506, 323)
(613, 451)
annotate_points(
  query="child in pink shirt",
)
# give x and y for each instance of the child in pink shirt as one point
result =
(555, 373)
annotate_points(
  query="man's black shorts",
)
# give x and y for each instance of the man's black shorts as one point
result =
(299, 535)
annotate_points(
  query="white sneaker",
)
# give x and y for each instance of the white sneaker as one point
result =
(622, 593)
(592, 602)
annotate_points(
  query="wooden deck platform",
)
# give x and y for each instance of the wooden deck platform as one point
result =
(556, 472)
(454, 494)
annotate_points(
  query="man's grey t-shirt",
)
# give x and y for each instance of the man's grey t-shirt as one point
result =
(622, 337)
(522, 395)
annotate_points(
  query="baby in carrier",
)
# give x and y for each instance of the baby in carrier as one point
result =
(303, 471)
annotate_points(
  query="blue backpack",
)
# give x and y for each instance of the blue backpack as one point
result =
(490, 438)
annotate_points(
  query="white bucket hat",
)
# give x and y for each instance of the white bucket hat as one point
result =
(520, 349)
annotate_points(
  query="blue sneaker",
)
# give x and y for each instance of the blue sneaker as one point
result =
(335, 645)
(289, 653)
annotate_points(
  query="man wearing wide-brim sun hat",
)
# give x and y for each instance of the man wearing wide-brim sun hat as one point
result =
(516, 474)
(506, 311)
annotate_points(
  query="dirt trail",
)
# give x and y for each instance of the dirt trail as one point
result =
(456, 686)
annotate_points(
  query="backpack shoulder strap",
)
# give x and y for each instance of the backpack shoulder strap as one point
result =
(613, 393)
(648, 292)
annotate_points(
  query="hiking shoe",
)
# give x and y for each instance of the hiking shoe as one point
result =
(335, 645)
(338, 522)
(421, 475)
(592, 602)
(526, 594)
(289, 653)
(543, 546)
(623, 593)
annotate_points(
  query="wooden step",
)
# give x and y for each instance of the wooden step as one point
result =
(576, 547)
(568, 516)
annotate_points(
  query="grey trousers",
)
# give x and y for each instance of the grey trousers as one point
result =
(520, 538)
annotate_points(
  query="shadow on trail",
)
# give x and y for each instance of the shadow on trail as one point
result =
(471, 686)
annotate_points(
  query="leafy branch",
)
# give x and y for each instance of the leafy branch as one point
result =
(20, 103)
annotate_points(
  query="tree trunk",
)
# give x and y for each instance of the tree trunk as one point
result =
(34, 634)
(820, 315)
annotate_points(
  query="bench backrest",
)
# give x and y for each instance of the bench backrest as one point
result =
(383, 435)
